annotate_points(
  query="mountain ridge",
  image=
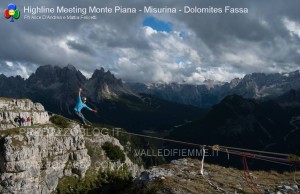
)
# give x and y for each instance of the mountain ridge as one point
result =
(255, 85)
(57, 88)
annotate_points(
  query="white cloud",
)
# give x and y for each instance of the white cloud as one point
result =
(159, 63)
(86, 74)
(243, 58)
(222, 74)
(23, 71)
(149, 31)
(292, 26)
(9, 63)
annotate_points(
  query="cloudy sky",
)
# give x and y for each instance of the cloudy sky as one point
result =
(142, 47)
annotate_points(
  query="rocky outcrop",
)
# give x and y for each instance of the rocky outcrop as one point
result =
(34, 157)
(33, 160)
(13, 109)
(95, 142)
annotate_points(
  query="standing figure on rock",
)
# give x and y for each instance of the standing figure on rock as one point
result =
(19, 121)
(32, 123)
(80, 105)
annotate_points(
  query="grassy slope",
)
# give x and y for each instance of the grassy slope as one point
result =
(229, 179)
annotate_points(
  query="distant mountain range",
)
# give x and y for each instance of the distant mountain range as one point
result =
(57, 88)
(256, 85)
(104, 85)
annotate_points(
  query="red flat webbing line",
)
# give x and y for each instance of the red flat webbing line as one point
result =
(247, 174)
(258, 151)
(259, 157)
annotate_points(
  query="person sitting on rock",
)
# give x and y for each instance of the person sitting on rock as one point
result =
(80, 105)
(22, 121)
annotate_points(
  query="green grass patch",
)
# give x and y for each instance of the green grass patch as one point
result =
(96, 182)
(113, 152)
(14, 131)
(60, 121)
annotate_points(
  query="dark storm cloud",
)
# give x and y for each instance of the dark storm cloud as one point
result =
(80, 47)
(218, 46)
(222, 29)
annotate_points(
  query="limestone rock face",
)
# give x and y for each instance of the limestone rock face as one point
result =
(33, 160)
(10, 109)
(104, 162)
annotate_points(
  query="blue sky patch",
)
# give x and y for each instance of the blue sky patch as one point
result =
(180, 60)
(182, 34)
(157, 24)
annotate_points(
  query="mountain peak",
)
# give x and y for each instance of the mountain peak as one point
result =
(44, 68)
(295, 73)
(98, 73)
(107, 76)
(109, 73)
(233, 83)
(66, 78)
(71, 67)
